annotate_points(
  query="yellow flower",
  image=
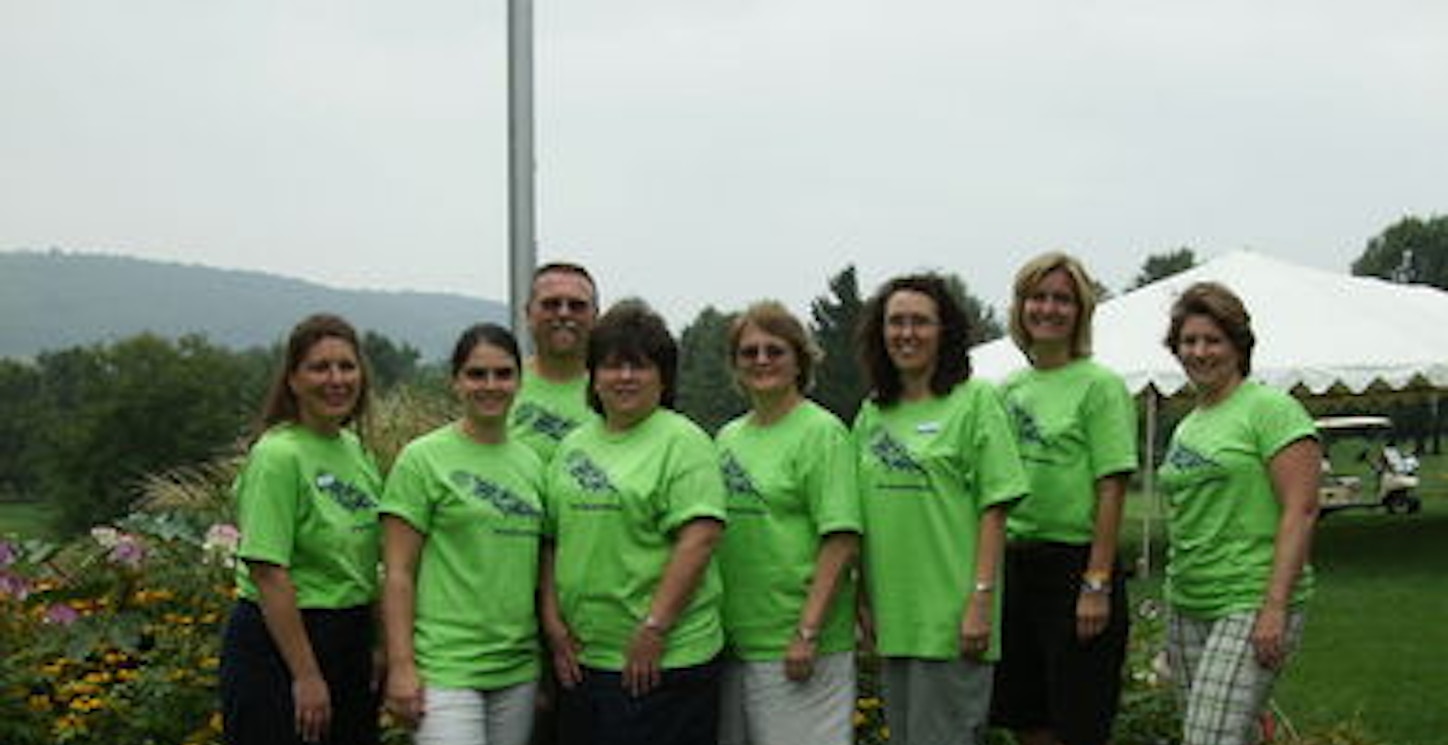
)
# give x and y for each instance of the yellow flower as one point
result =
(209, 663)
(39, 703)
(127, 674)
(98, 676)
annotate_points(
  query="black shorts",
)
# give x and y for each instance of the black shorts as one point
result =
(683, 710)
(1047, 678)
(256, 686)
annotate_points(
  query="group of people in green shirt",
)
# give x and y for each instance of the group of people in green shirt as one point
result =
(689, 590)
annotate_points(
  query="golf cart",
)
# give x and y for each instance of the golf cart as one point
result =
(1362, 466)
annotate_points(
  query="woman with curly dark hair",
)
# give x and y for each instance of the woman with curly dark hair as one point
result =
(938, 468)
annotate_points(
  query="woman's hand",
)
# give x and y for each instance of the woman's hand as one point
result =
(1093, 611)
(565, 648)
(404, 694)
(1269, 636)
(975, 627)
(799, 659)
(641, 669)
(312, 703)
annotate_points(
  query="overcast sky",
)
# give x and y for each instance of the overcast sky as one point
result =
(719, 151)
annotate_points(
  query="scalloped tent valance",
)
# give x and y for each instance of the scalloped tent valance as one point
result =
(1318, 332)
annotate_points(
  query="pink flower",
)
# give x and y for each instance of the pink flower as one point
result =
(8, 554)
(128, 551)
(60, 613)
(220, 544)
(14, 585)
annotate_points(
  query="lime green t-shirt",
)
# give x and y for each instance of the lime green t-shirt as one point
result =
(1224, 512)
(615, 501)
(1074, 424)
(475, 623)
(928, 470)
(309, 503)
(788, 484)
(545, 412)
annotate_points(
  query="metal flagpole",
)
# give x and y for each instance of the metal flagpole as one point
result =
(522, 236)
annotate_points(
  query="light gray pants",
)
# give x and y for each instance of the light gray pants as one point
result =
(936, 702)
(467, 716)
(760, 706)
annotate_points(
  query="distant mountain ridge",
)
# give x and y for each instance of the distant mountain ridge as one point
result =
(55, 300)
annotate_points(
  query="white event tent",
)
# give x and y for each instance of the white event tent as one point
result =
(1318, 333)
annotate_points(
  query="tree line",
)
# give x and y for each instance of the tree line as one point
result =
(80, 427)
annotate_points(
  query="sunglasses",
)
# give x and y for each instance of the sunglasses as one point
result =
(573, 304)
(753, 351)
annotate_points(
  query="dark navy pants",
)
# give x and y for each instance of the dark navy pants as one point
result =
(256, 686)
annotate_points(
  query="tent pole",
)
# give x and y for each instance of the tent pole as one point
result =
(1148, 481)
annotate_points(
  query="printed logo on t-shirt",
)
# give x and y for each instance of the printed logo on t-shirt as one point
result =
(1028, 432)
(593, 481)
(744, 496)
(347, 496)
(545, 422)
(1184, 467)
(1035, 445)
(503, 499)
(898, 462)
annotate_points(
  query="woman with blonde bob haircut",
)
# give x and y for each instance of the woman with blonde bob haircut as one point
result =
(1065, 620)
(1240, 476)
(794, 525)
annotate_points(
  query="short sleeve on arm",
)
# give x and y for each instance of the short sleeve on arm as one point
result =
(407, 492)
(693, 486)
(1280, 421)
(1110, 422)
(1001, 478)
(268, 499)
(829, 480)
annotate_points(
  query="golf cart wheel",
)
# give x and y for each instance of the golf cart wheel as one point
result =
(1398, 503)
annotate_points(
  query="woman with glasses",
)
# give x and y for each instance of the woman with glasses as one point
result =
(938, 468)
(1240, 477)
(461, 520)
(1065, 619)
(296, 662)
(794, 526)
(635, 506)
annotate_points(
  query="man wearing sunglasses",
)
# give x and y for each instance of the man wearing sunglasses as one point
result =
(553, 400)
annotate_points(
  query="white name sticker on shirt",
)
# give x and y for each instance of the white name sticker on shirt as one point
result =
(927, 428)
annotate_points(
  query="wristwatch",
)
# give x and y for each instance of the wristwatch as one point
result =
(1096, 583)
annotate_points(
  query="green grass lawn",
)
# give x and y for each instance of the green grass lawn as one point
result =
(25, 519)
(1375, 650)
(1376, 644)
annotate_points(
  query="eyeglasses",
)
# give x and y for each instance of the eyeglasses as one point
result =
(771, 352)
(911, 321)
(498, 374)
(573, 304)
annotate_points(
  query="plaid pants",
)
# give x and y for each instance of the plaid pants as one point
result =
(1220, 686)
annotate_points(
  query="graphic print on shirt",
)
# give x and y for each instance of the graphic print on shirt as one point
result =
(1028, 431)
(744, 497)
(347, 496)
(1184, 468)
(898, 462)
(599, 493)
(549, 423)
(519, 517)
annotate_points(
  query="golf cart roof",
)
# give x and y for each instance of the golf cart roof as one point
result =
(1354, 422)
